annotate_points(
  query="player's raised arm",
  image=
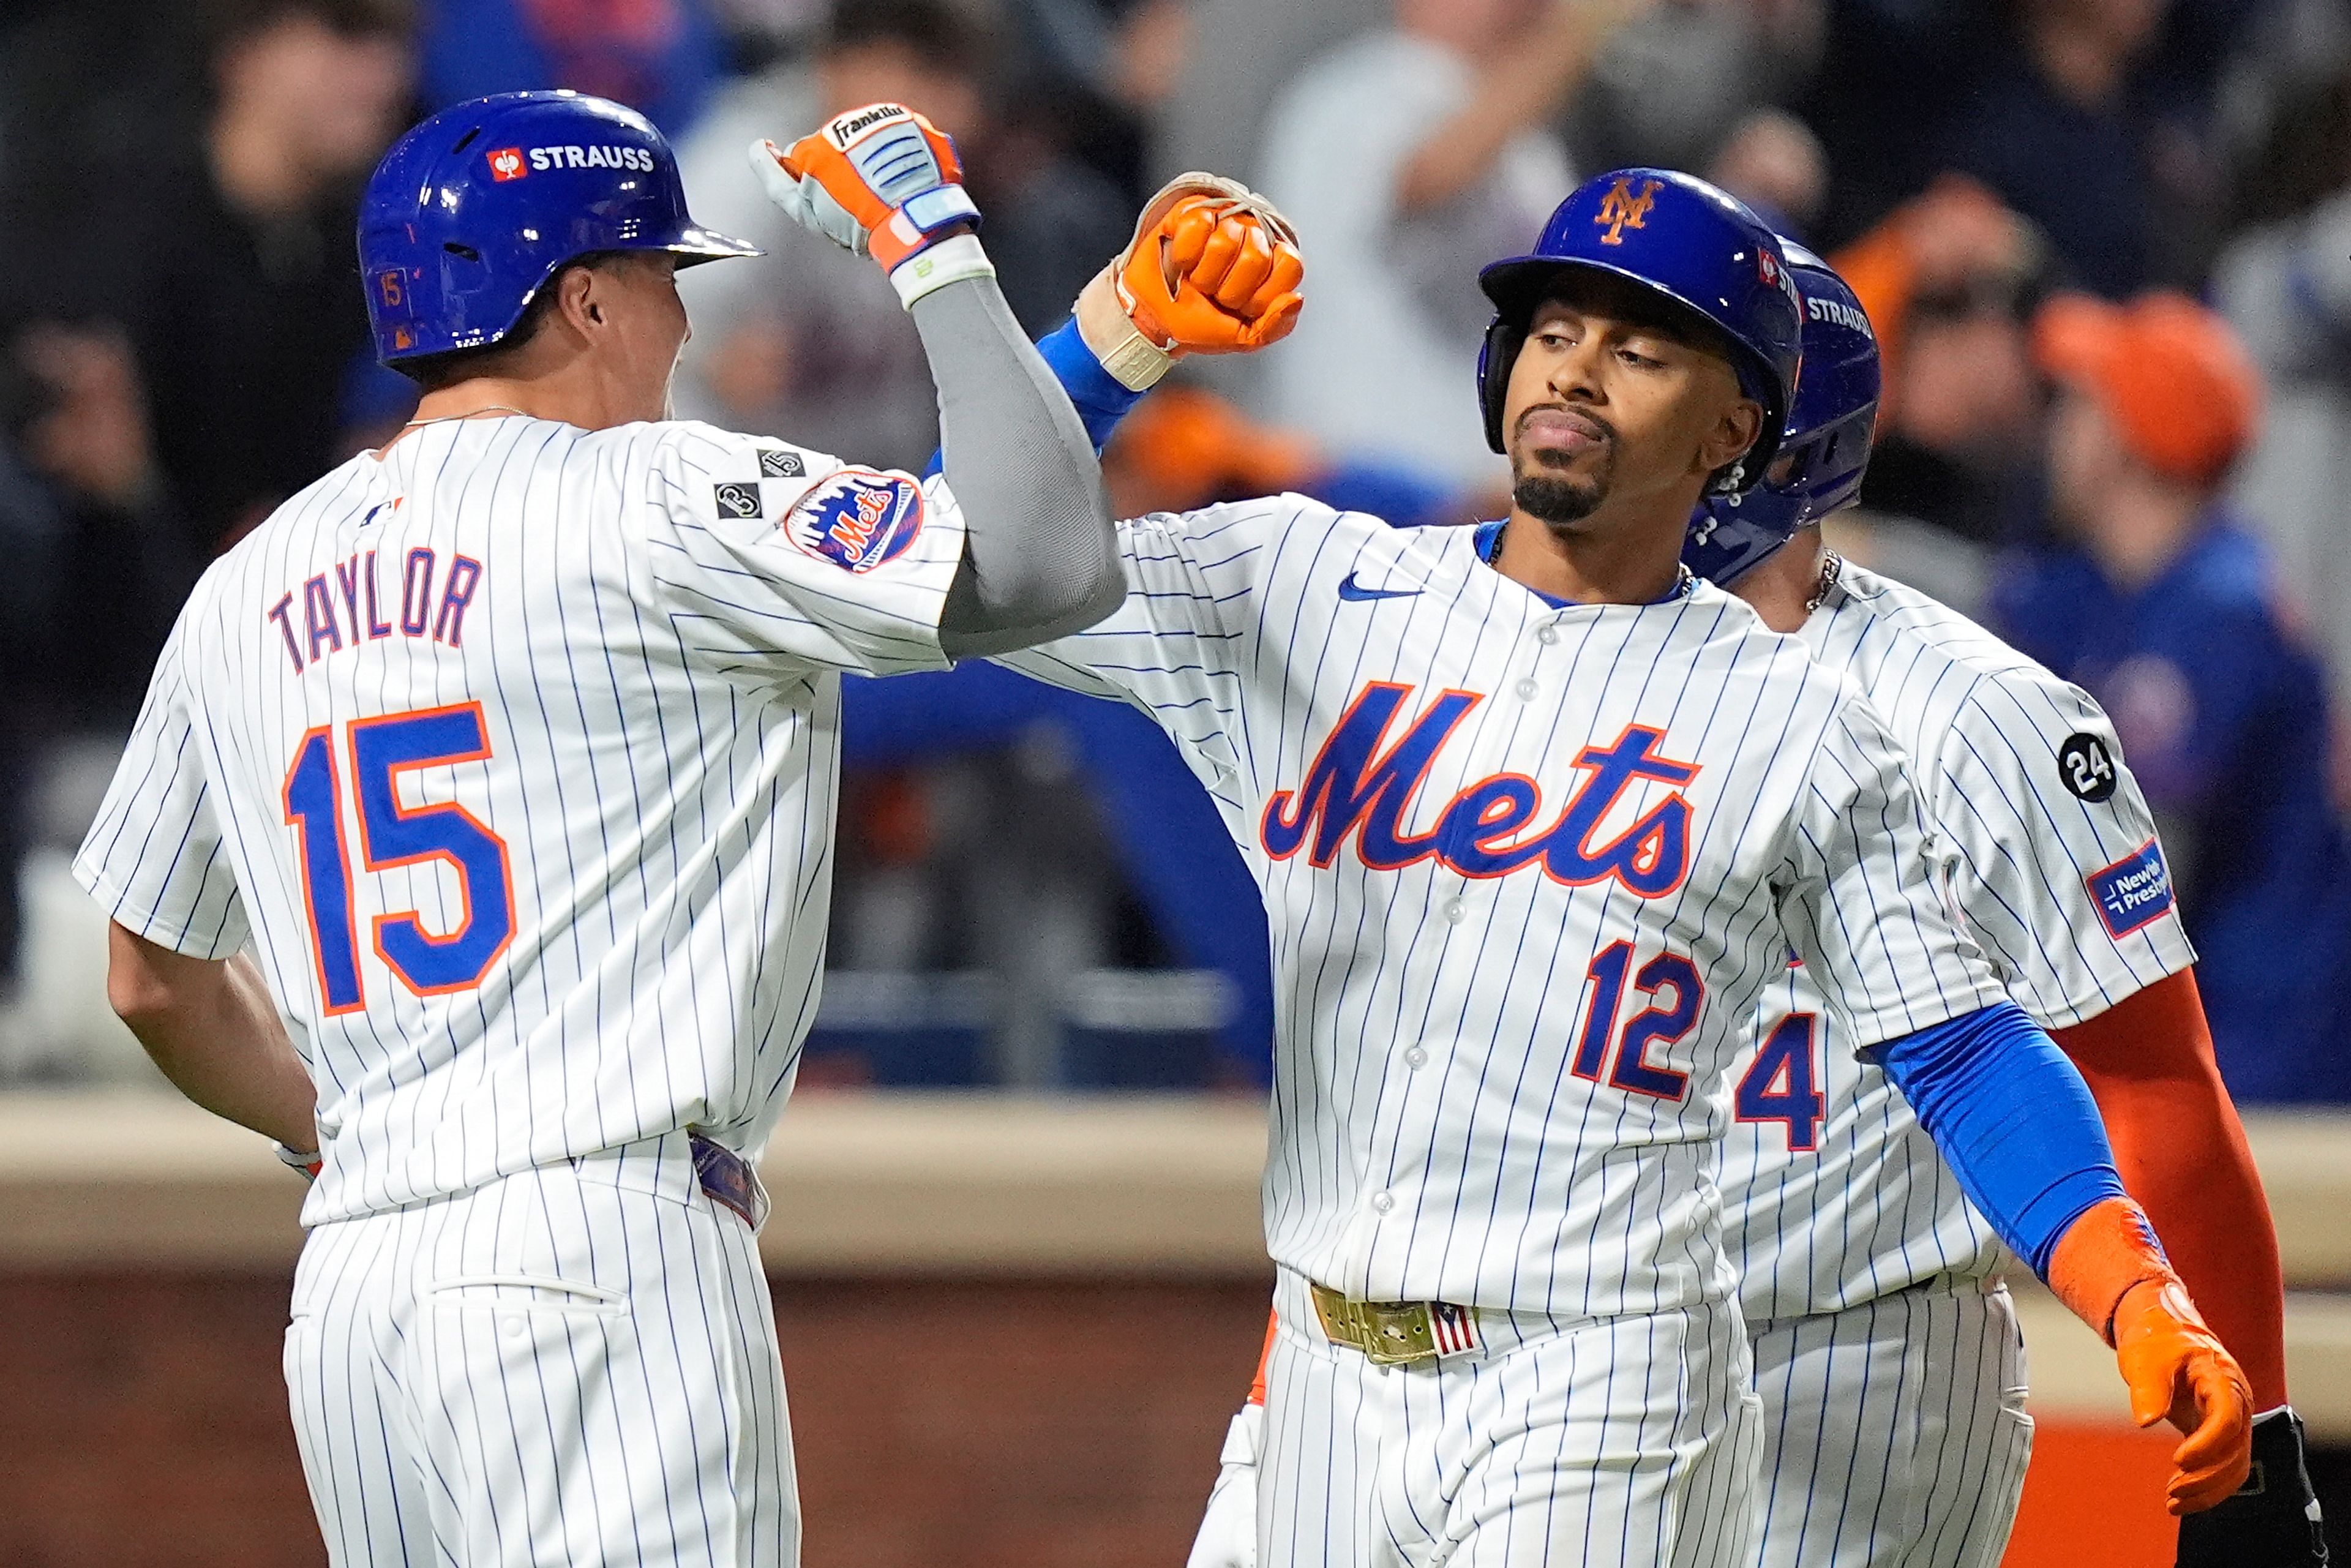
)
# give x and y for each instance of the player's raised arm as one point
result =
(1213, 269)
(1040, 560)
(2006, 1109)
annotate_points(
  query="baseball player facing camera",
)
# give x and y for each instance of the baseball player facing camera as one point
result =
(1540, 818)
(510, 750)
(1887, 1357)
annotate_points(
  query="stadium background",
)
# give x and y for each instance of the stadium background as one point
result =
(1014, 1245)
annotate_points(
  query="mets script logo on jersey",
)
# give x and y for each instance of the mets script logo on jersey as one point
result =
(1623, 208)
(1362, 784)
(2135, 890)
(857, 519)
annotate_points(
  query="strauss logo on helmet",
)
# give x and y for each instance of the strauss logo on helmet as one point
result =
(506, 163)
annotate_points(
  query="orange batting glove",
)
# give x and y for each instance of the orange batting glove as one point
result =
(1213, 269)
(2109, 1270)
(881, 181)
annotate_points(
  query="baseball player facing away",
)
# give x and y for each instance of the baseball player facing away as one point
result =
(1886, 1350)
(1538, 819)
(512, 749)
(1887, 1353)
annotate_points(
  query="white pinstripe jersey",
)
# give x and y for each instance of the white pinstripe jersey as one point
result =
(1528, 871)
(515, 752)
(2062, 883)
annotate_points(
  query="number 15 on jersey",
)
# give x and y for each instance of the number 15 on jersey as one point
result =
(392, 835)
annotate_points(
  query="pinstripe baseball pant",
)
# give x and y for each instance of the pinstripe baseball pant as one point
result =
(1566, 1442)
(1894, 1432)
(549, 1369)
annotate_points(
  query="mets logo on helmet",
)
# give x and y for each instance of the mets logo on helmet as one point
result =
(506, 163)
(1622, 208)
(858, 518)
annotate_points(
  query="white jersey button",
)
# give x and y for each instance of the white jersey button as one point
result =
(1526, 690)
(1416, 1057)
(1548, 635)
(1456, 911)
(1384, 1201)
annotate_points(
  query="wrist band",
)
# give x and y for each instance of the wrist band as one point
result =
(951, 260)
(1107, 329)
(1134, 361)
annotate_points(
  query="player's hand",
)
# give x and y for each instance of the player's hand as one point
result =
(879, 181)
(2273, 1521)
(2177, 1371)
(1213, 269)
(1227, 1537)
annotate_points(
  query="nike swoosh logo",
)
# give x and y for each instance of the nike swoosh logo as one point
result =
(1354, 593)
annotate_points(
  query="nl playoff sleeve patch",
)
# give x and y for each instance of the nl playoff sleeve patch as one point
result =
(857, 520)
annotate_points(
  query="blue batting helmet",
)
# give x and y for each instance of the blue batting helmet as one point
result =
(472, 212)
(1696, 244)
(1822, 458)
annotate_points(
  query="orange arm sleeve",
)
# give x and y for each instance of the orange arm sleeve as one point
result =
(2182, 1153)
(1264, 1359)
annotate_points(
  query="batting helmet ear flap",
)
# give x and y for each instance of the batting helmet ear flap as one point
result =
(1495, 357)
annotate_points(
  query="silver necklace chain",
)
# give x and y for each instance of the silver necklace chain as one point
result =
(1831, 570)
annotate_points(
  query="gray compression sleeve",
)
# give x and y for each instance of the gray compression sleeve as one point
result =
(1040, 555)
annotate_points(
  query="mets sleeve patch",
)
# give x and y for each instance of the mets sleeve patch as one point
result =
(857, 519)
(2133, 891)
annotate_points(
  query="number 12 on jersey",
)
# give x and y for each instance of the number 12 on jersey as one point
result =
(391, 836)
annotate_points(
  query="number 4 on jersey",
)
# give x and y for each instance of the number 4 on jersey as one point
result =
(392, 835)
(1778, 1087)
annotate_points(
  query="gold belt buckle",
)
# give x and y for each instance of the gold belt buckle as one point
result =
(1389, 1334)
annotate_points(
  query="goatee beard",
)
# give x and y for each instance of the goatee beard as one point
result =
(1554, 501)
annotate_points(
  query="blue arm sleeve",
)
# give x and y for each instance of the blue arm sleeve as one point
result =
(2013, 1119)
(1101, 399)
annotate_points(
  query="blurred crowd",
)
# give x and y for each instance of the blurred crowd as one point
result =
(2106, 246)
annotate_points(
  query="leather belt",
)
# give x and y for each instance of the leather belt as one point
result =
(1397, 1333)
(730, 1179)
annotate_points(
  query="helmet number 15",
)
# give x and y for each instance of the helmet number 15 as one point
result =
(393, 835)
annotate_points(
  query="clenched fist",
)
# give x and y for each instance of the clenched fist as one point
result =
(1213, 269)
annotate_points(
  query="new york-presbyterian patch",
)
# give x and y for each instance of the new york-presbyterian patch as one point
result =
(2133, 891)
(857, 519)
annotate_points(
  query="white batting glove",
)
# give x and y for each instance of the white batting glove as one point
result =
(806, 202)
(1227, 1537)
(296, 1160)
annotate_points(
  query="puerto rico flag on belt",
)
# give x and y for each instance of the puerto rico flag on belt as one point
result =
(1454, 1329)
